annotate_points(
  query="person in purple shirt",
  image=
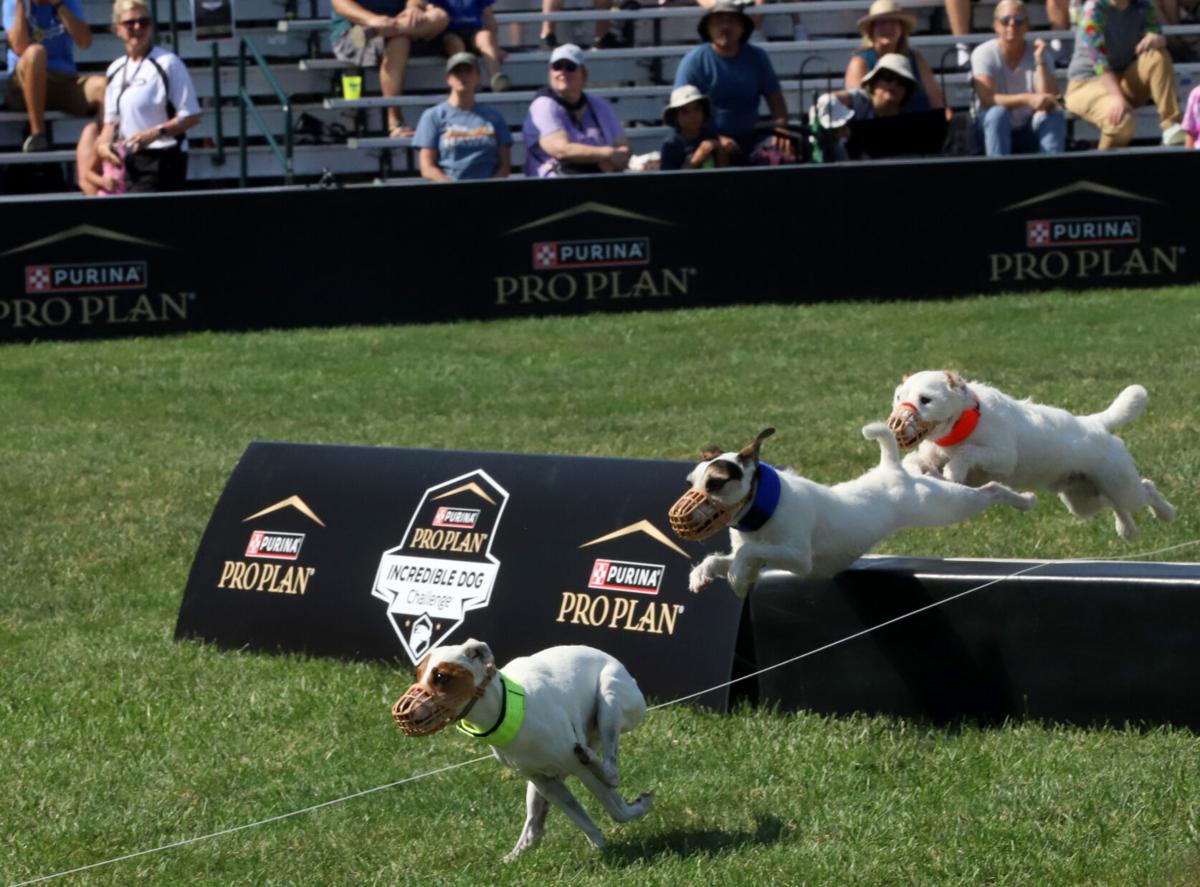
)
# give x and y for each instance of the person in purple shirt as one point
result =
(42, 36)
(568, 132)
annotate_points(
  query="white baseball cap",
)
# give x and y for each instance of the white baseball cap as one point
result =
(568, 51)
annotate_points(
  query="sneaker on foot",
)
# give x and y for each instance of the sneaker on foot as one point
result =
(1174, 135)
(35, 142)
(501, 82)
(549, 42)
(608, 40)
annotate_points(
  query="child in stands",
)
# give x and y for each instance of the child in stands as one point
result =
(695, 144)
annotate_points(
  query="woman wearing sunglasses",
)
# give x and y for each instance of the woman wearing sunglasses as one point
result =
(149, 104)
(567, 131)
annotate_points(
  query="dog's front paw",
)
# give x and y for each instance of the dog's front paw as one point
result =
(1031, 501)
(699, 579)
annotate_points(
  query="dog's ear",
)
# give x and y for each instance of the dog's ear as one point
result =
(953, 378)
(750, 450)
(906, 377)
(711, 452)
(474, 649)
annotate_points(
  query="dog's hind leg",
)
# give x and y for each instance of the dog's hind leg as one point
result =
(616, 806)
(536, 808)
(554, 790)
(1162, 509)
(620, 707)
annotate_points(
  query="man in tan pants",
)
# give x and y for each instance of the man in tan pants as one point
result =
(1120, 64)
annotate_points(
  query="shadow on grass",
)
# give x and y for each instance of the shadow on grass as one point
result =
(692, 842)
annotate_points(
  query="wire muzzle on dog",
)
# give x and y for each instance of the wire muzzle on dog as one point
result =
(695, 516)
(423, 712)
(906, 424)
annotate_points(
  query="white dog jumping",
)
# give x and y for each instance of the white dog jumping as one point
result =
(788, 522)
(543, 715)
(972, 433)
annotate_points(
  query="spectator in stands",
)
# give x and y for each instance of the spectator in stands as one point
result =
(568, 132)
(885, 29)
(1120, 64)
(42, 36)
(149, 105)
(887, 91)
(735, 75)
(461, 138)
(383, 32)
(472, 28)
(96, 177)
(695, 144)
(1191, 119)
(1015, 89)
(959, 14)
(604, 39)
(799, 29)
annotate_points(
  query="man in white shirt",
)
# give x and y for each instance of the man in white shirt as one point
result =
(1017, 108)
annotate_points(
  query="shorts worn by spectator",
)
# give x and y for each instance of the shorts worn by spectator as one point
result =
(604, 39)
(735, 74)
(695, 144)
(1015, 90)
(959, 14)
(149, 104)
(1120, 64)
(42, 37)
(885, 29)
(472, 29)
(461, 138)
(568, 132)
(383, 32)
(1191, 119)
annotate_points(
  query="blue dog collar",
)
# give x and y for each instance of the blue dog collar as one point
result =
(766, 499)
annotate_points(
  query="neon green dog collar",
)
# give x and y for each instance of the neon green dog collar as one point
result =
(512, 715)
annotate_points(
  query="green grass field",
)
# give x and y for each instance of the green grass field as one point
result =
(114, 738)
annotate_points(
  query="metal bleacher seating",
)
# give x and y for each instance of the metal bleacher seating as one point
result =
(334, 135)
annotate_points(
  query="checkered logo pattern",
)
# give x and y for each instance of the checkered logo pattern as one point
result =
(37, 278)
(545, 255)
(1037, 233)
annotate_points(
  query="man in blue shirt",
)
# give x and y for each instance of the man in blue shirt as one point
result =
(734, 74)
(42, 36)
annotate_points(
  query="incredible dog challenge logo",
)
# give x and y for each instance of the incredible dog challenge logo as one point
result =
(443, 568)
(616, 578)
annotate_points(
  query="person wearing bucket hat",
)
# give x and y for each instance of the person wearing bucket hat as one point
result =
(734, 74)
(887, 90)
(567, 131)
(694, 144)
(461, 138)
(885, 29)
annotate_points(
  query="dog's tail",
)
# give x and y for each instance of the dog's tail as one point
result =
(889, 451)
(1127, 407)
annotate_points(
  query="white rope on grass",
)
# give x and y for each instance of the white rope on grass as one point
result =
(722, 686)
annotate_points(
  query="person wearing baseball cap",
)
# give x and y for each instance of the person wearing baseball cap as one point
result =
(694, 144)
(461, 138)
(734, 74)
(567, 131)
(885, 29)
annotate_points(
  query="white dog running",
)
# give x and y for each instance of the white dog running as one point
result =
(972, 433)
(794, 524)
(543, 715)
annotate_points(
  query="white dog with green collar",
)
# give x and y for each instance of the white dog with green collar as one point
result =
(545, 716)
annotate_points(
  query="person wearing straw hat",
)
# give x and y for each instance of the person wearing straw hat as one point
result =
(567, 131)
(695, 144)
(886, 29)
(735, 75)
(461, 138)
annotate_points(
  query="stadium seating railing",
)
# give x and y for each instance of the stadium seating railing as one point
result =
(246, 107)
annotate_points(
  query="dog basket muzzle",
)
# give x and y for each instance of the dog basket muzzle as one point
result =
(695, 516)
(423, 712)
(909, 428)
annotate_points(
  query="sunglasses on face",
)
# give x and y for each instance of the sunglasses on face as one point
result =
(564, 65)
(141, 22)
(1011, 19)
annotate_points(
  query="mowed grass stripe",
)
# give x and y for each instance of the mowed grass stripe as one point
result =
(116, 739)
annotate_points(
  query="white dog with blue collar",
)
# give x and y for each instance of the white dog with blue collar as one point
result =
(781, 520)
(544, 716)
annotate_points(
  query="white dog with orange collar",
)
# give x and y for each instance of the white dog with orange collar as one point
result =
(972, 433)
(542, 715)
(779, 519)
